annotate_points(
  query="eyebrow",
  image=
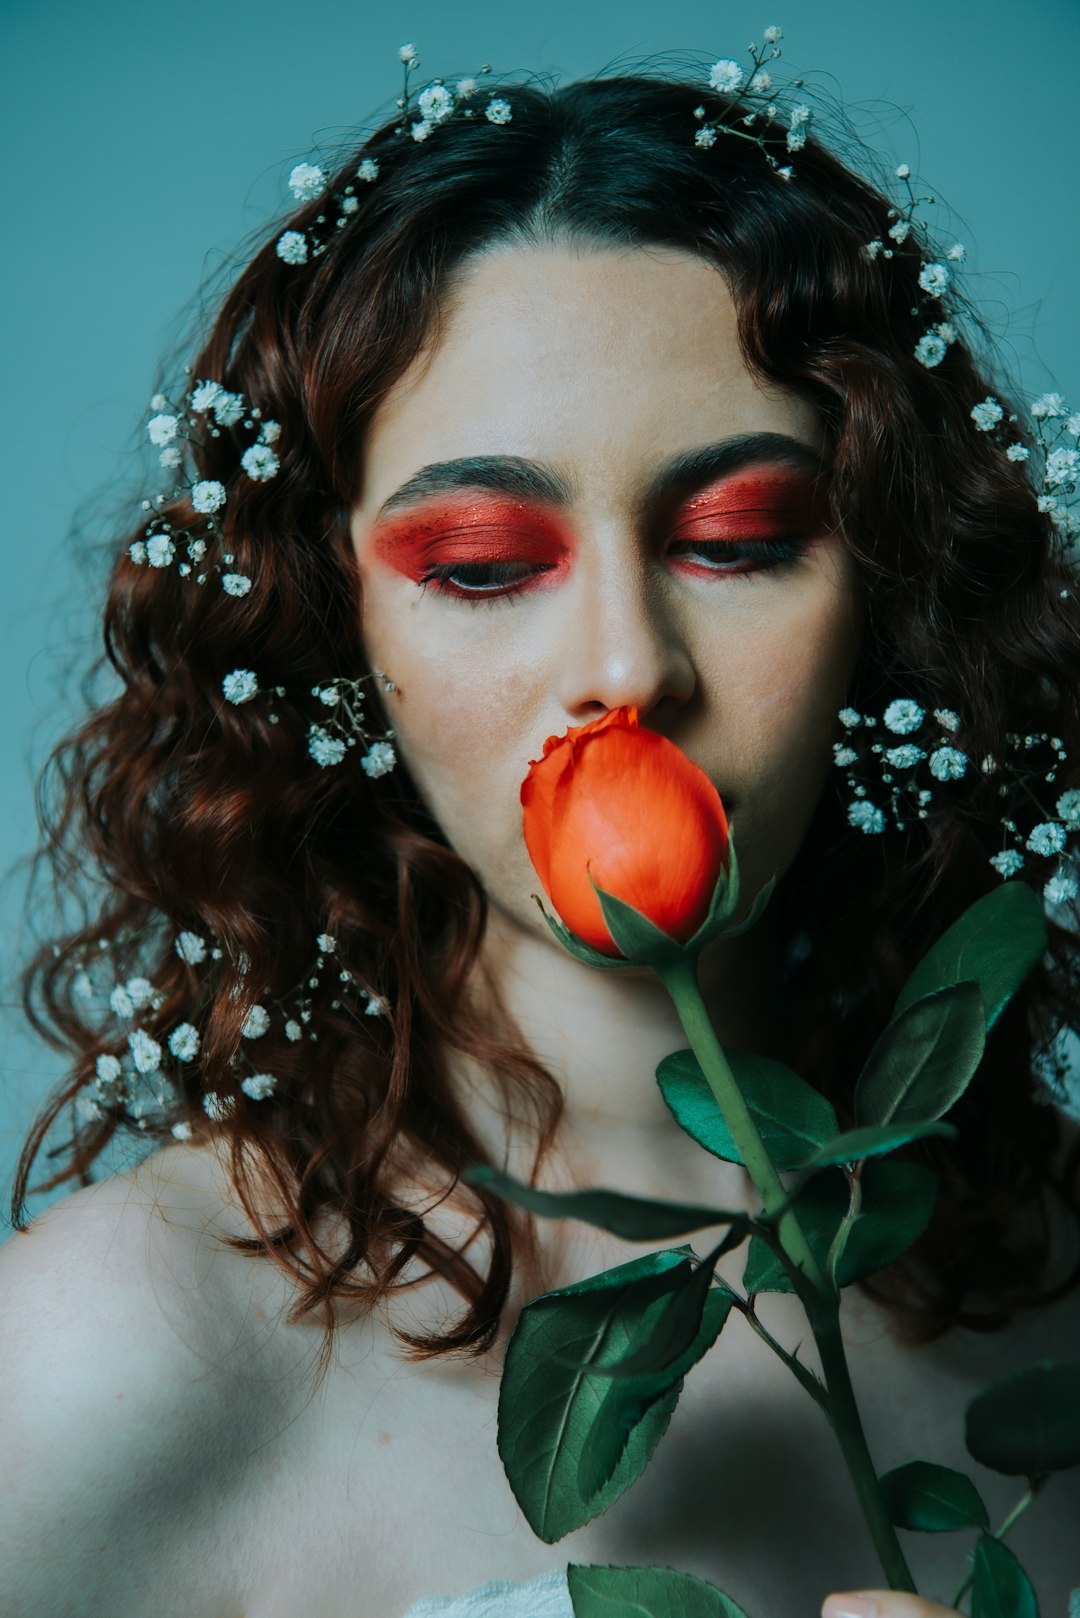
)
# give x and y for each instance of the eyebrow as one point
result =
(538, 480)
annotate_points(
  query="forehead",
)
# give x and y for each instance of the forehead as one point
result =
(602, 361)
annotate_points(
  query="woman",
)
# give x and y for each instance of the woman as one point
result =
(542, 406)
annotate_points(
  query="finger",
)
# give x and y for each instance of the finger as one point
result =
(883, 1604)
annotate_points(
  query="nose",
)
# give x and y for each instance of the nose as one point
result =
(622, 641)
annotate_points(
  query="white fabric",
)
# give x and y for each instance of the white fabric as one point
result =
(545, 1597)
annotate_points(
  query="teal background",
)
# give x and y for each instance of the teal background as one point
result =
(142, 142)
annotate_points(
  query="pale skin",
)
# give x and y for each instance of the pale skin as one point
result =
(157, 1399)
(745, 674)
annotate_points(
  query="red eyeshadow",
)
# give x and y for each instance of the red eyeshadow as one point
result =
(493, 529)
(758, 505)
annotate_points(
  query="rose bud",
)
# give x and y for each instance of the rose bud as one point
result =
(623, 805)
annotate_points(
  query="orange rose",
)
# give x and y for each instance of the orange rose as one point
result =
(627, 807)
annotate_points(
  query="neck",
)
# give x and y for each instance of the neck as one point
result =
(601, 1035)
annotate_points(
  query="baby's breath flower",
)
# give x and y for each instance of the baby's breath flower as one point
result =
(184, 1042)
(306, 181)
(191, 948)
(327, 943)
(1068, 807)
(258, 1085)
(843, 756)
(217, 1108)
(987, 414)
(930, 350)
(203, 395)
(235, 584)
(498, 111)
(1072, 425)
(324, 748)
(948, 764)
(159, 402)
(170, 458)
(369, 168)
(904, 757)
(121, 1002)
(726, 75)
(761, 81)
(435, 102)
(375, 1005)
(256, 1023)
(239, 686)
(772, 34)
(137, 552)
(140, 992)
(466, 88)
(422, 129)
(785, 173)
(270, 431)
(903, 716)
(705, 137)
(228, 408)
(208, 496)
(1049, 837)
(292, 247)
(1017, 452)
(934, 278)
(108, 1070)
(378, 760)
(329, 695)
(196, 549)
(849, 718)
(901, 230)
(145, 1052)
(1060, 888)
(1062, 465)
(957, 253)
(903, 172)
(946, 331)
(865, 818)
(407, 53)
(293, 1029)
(1048, 404)
(181, 1130)
(349, 204)
(1008, 862)
(259, 462)
(160, 550)
(162, 429)
(947, 719)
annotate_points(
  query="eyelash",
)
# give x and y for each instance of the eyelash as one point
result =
(770, 556)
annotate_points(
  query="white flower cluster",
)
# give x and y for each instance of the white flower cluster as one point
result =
(1058, 433)
(756, 89)
(143, 1084)
(345, 726)
(208, 408)
(899, 765)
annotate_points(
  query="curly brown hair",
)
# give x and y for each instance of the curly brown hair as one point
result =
(203, 815)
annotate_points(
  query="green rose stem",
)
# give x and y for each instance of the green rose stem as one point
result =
(820, 1297)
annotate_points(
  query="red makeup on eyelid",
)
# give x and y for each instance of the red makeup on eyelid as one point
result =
(493, 529)
(761, 505)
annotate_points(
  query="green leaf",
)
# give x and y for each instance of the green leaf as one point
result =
(995, 943)
(645, 1592)
(793, 1118)
(628, 1398)
(576, 946)
(858, 1144)
(924, 1060)
(897, 1202)
(546, 1407)
(1001, 1588)
(932, 1499)
(1027, 1421)
(637, 1219)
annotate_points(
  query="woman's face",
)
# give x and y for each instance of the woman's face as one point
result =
(580, 498)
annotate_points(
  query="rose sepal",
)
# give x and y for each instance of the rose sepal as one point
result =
(639, 940)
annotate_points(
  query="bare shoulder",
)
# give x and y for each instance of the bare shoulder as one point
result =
(142, 1363)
